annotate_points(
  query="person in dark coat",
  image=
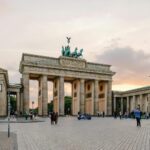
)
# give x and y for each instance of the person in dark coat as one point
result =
(137, 114)
(103, 114)
(52, 117)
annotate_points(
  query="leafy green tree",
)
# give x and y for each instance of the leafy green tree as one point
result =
(68, 105)
(50, 106)
(13, 103)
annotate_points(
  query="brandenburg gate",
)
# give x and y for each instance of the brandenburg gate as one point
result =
(91, 82)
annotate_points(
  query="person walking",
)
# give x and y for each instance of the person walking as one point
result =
(115, 115)
(52, 118)
(137, 114)
(120, 114)
(147, 115)
(103, 114)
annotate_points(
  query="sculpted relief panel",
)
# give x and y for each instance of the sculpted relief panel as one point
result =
(72, 62)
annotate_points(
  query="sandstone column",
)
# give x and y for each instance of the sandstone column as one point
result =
(61, 95)
(82, 95)
(40, 97)
(92, 100)
(21, 97)
(133, 103)
(96, 93)
(109, 98)
(25, 78)
(75, 97)
(141, 102)
(127, 110)
(44, 95)
(122, 105)
(148, 103)
(115, 104)
(18, 102)
(21, 102)
(106, 98)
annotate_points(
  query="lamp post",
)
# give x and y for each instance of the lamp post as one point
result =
(8, 114)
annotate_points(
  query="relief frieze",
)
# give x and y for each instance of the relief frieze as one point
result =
(71, 62)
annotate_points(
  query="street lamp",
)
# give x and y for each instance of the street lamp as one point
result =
(8, 114)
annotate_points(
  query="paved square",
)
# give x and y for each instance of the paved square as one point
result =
(71, 134)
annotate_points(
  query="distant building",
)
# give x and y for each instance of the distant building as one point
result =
(127, 101)
(91, 87)
(5, 88)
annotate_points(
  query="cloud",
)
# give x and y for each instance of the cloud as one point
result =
(4, 7)
(131, 66)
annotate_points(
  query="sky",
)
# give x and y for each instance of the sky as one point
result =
(115, 32)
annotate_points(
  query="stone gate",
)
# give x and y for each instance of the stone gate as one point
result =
(91, 83)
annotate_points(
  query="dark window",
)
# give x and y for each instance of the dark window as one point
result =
(39, 92)
(55, 84)
(75, 94)
(0, 87)
(89, 87)
(75, 86)
(88, 95)
(101, 95)
(55, 93)
(101, 88)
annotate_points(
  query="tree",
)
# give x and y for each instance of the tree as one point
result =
(68, 105)
(13, 103)
(50, 106)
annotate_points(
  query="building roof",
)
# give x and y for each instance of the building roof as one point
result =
(119, 93)
(5, 72)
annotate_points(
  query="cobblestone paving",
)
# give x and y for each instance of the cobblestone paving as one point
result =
(71, 134)
(8, 143)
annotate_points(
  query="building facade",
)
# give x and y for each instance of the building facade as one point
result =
(91, 85)
(4, 83)
(127, 101)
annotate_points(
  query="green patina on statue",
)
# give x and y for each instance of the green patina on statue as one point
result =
(67, 52)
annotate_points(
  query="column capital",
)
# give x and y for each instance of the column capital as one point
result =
(82, 80)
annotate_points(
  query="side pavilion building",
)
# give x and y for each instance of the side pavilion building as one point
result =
(127, 101)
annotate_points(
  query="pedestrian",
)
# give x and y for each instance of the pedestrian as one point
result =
(120, 115)
(147, 115)
(26, 115)
(125, 115)
(103, 114)
(137, 114)
(115, 114)
(52, 118)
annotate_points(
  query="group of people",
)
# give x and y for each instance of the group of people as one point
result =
(84, 116)
(30, 115)
(54, 117)
(137, 115)
(102, 114)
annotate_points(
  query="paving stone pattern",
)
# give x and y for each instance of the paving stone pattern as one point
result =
(71, 134)
(8, 143)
